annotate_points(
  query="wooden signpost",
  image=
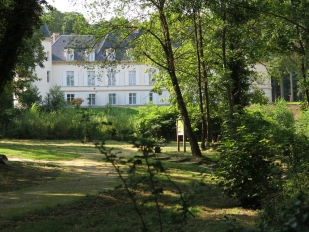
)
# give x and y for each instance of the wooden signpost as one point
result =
(180, 131)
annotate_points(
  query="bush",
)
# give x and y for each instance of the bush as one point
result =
(247, 170)
(54, 100)
(30, 96)
(157, 122)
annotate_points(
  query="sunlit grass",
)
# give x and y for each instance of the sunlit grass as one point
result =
(112, 210)
(44, 150)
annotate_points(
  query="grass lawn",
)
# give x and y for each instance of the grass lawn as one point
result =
(111, 209)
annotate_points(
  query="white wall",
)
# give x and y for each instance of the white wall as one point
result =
(265, 84)
(102, 89)
(43, 85)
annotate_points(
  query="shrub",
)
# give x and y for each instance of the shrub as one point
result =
(157, 122)
(30, 96)
(247, 170)
(54, 99)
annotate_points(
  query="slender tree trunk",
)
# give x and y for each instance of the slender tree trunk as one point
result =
(303, 68)
(281, 89)
(204, 124)
(167, 47)
(208, 124)
(227, 83)
(291, 87)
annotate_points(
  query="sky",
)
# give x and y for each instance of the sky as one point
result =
(77, 6)
(66, 5)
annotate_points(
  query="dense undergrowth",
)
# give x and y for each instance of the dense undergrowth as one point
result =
(263, 159)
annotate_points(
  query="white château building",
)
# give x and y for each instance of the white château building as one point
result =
(125, 83)
(81, 74)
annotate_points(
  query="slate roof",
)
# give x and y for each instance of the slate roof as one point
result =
(82, 43)
(44, 30)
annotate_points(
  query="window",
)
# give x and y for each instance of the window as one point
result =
(47, 76)
(150, 96)
(91, 56)
(47, 56)
(111, 76)
(91, 78)
(70, 97)
(132, 98)
(110, 54)
(91, 99)
(132, 77)
(70, 78)
(69, 54)
(129, 54)
(112, 98)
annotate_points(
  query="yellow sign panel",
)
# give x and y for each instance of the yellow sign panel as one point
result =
(180, 127)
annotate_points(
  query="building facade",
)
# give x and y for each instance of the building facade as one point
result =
(100, 75)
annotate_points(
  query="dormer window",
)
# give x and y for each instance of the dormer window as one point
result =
(129, 52)
(110, 54)
(69, 54)
(90, 56)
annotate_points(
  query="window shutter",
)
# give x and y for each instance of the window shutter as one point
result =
(75, 78)
(75, 96)
(116, 99)
(85, 78)
(117, 78)
(127, 99)
(138, 98)
(137, 76)
(154, 98)
(64, 79)
(106, 78)
(146, 78)
(127, 77)
(100, 77)
(96, 79)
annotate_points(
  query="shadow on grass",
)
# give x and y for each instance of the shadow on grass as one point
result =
(18, 175)
(113, 211)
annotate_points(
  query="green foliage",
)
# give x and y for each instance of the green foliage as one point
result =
(157, 122)
(264, 163)
(298, 216)
(18, 22)
(150, 178)
(302, 124)
(54, 100)
(246, 168)
(30, 96)
(258, 97)
(70, 123)
(254, 144)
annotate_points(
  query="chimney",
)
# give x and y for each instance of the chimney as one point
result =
(55, 37)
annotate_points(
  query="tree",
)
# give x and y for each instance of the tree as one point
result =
(18, 21)
(73, 22)
(29, 96)
(54, 19)
(157, 31)
(65, 22)
(54, 100)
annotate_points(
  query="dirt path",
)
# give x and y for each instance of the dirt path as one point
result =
(83, 176)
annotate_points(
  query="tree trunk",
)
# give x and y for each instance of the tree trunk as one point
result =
(291, 87)
(281, 89)
(227, 83)
(167, 47)
(207, 103)
(303, 68)
(3, 159)
(198, 55)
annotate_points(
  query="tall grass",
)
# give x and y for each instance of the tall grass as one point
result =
(70, 123)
